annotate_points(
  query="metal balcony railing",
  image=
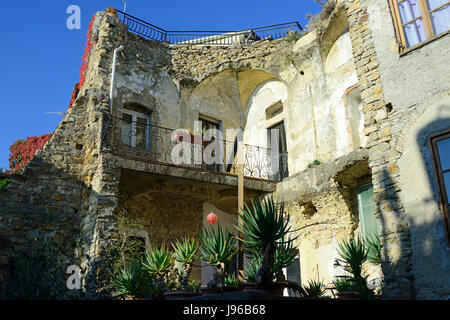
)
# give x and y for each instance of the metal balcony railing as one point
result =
(142, 141)
(152, 32)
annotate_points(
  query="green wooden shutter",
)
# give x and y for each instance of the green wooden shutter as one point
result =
(366, 208)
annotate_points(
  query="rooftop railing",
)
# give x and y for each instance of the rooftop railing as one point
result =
(152, 32)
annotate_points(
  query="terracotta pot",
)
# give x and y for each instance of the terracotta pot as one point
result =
(275, 288)
(180, 294)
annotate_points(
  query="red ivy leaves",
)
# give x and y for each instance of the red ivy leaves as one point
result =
(22, 151)
(85, 59)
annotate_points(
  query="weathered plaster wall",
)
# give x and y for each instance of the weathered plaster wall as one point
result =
(420, 76)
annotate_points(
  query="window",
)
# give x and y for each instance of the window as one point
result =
(283, 160)
(419, 20)
(292, 273)
(366, 211)
(440, 146)
(135, 129)
(206, 125)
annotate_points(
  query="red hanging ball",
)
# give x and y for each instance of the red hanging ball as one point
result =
(212, 217)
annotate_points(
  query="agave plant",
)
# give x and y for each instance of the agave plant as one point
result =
(354, 254)
(373, 247)
(132, 280)
(185, 252)
(218, 248)
(264, 229)
(159, 262)
(313, 288)
(231, 281)
(284, 256)
(344, 284)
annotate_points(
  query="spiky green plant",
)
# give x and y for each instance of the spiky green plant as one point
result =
(159, 262)
(354, 254)
(218, 248)
(185, 252)
(313, 288)
(344, 284)
(133, 280)
(283, 257)
(231, 281)
(373, 247)
(264, 229)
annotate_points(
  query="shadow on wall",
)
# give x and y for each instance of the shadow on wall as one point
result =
(416, 256)
(43, 232)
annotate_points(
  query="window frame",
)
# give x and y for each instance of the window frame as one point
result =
(282, 153)
(424, 15)
(134, 115)
(439, 175)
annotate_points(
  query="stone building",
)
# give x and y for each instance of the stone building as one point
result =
(362, 103)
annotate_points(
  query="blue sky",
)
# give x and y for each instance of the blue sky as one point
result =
(40, 58)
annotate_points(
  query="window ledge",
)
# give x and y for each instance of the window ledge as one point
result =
(424, 43)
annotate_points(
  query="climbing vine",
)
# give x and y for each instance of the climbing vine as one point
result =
(87, 50)
(22, 151)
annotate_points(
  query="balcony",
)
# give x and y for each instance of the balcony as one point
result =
(136, 139)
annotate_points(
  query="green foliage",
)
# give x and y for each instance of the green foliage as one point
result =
(125, 249)
(3, 183)
(185, 251)
(284, 256)
(134, 281)
(354, 254)
(159, 262)
(373, 247)
(194, 286)
(231, 280)
(252, 268)
(264, 232)
(313, 288)
(344, 284)
(314, 164)
(293, 36)
(217, 246)
(264, 224)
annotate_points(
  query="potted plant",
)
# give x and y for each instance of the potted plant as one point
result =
(185, 252)
(313, 289)
(218, 248)
(159, 262)
(133, 282)
(283, 257)
(265, 230)
(354, 254)
(111, 11)
(345, 288)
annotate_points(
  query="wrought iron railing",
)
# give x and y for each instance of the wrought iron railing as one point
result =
(152, 32)
(157, 144)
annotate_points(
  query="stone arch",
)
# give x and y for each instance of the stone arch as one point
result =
(271, 94)
(337, 25)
